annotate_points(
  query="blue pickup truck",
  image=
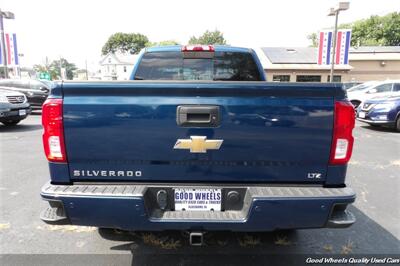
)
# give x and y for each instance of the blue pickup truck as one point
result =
(198, 141)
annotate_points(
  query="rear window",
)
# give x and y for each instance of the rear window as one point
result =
(228, 66)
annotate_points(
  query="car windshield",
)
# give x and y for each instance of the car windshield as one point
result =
(361, 87)
(39, 84)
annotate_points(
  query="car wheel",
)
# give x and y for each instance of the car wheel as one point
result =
(398, 124)
(11, 122)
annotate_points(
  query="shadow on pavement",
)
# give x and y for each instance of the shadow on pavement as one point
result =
(19, 128)
(36, 112)
(270, 248)
(379, 128)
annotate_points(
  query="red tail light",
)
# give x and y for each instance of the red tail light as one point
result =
(53, 130)
(197, 48)
(342, 142)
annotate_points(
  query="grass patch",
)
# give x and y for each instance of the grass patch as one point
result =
(328, 248)
(282, 241)
(249, 241)
(348, 248)
(164, 243)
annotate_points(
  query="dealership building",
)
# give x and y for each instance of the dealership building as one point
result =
(299, 64)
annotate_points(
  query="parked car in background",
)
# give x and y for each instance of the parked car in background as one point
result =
(381, 112)
(35, 90)
(14, 107)
(349, 85)
(370, 90)
(362, 86)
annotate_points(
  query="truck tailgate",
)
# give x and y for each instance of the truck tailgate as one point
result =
(126, 131)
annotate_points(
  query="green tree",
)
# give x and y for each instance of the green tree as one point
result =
(313, 39)
(163, 43)
(375, 30)
(40, 68)
(209, 37)
(125, 42)
(54, 68)
(46, 68)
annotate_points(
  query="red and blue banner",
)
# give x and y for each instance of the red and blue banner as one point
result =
(342, 47)
(11, 55)
(325, 47)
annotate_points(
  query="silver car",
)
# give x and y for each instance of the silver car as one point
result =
(14, 107)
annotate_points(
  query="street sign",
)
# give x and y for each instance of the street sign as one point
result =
(44, 75)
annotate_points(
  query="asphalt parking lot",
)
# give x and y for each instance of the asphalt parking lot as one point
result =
(374, 173)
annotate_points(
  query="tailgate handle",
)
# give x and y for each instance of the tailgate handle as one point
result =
(198, 116)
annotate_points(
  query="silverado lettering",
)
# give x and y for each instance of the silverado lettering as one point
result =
(82, 173)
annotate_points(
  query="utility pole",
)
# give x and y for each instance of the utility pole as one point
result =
(334, 46)
(61, 72)
(87, 76)
(47, 64)
(334, 11)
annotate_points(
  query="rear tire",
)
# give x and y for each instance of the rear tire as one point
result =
(11, 122)
(397, 126)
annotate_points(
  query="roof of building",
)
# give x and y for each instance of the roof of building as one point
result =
(291, 55)
(306, 57)
(375, 49)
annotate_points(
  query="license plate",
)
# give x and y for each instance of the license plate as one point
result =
(198, 199)
(361, 114)
(22, 112)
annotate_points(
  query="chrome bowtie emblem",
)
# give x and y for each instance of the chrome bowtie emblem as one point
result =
(198, 144)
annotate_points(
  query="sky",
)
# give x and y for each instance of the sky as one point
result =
(77, 29)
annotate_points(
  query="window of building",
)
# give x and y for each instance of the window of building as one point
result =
(281, 78)
(124, 68)
(308, 78)
(336, 78)
(109, 60)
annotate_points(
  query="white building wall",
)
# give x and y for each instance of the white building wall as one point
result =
(111, 69)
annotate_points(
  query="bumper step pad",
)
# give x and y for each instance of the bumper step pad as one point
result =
(341, 219)
(54, 215)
